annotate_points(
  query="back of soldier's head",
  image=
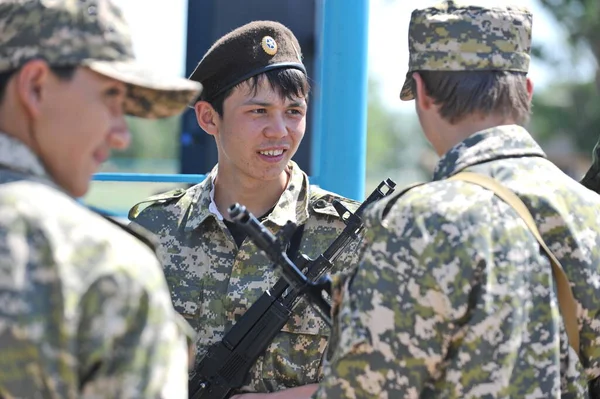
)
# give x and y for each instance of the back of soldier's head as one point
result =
(472, 59)
(258, 50)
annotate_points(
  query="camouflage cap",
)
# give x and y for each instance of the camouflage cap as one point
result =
(93, 34)
(456, 36)
(247, 51)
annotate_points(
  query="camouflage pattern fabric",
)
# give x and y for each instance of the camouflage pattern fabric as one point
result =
(457, 36)
(213, 282)
(84, 308)
(91, 33)
(453, 297)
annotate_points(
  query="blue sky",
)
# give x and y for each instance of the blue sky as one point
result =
(159, 40)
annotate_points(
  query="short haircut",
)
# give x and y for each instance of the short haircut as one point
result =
(288, 82)
(462, 93)
(62, 72)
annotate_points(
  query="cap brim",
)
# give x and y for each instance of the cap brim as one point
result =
(406, 93)
(148, 94)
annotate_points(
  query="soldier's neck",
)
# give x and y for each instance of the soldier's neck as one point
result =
(258, 196)
(460, 131)
(14, 122)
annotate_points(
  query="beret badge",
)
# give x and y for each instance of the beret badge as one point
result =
(269, 45)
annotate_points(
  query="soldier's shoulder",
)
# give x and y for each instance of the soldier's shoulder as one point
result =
(40, 203)
(159, 202)
(323, 202)
(432, 201)
(60, 221)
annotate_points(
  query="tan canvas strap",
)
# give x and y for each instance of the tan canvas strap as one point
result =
(566, 301)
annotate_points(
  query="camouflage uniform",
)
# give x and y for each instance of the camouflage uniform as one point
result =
(453, 297)
(85, 309)
(213, 282)
(84, 306)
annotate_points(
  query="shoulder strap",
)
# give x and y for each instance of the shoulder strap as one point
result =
(388, 202)
(566, 300)
(135, 211)
(135, 230)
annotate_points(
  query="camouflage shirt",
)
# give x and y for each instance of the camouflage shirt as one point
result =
(84, 308)
(213, 282)
(453, 297)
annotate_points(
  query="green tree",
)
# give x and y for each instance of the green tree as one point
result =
(395, 144)
(152, 139)
(572, 109)
(581, 19)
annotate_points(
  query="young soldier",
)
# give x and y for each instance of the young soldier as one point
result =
(254, 105)
(454, 297)
(84, 307)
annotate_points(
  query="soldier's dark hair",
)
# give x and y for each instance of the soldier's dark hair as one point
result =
(62, 72)
(462, 93)
(288, 82)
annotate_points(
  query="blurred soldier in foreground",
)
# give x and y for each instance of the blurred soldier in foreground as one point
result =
(84, 307)
(453, 297)
(254, 102)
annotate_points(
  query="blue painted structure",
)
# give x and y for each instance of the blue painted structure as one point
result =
(149, 177)
(339, 141)
(340, 153)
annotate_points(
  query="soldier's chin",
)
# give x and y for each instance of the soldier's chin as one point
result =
(77, 188)
(273, 172)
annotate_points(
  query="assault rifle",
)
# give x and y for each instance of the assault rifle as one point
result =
(591, 179)
(226, 364)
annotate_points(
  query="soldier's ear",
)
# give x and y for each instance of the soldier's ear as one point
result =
(529, 89)
(32, 86)
(421, 96)
(207, 117)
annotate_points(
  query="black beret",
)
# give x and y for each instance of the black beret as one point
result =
(247, 51)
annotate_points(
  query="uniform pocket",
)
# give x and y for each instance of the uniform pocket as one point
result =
(294, 357)
(292, 360)
(306, 320)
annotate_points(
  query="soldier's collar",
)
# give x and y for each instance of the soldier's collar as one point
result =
(294, 197)
(200, 207)
(498, 142)
(15, 155)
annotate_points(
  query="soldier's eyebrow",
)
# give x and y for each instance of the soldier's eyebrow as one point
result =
(252, 101)
(297, 104)
(293, 104)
